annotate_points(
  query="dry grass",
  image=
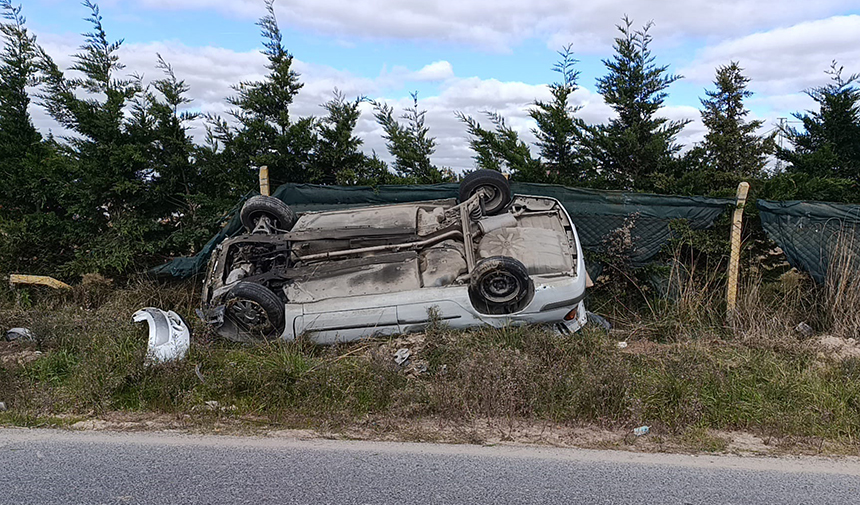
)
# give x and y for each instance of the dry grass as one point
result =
(686, 372)
(841, 297)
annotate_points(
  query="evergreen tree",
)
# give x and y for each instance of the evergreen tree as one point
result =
(501, 148)
(731, 144)
(559, 133)
(637, 144)
(180, 194)
(266, 134)
(409, 144)
(732, 151)
(372, 171)
(828, 145)
(132, 194)
(338, 148)
(34, 226)
(18, 136)
(112, 169)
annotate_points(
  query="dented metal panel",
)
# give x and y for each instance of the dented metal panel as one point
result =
(542, 251)
(383, 270)
(404, 218)
(368, 279)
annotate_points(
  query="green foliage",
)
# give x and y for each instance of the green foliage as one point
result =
(410, 144)
(637, 144)
(828, 146)
(731, 144)
(559, 132)
(732, 150)
(266, 134)
(338, 148)
(129, 187)
(501, 148)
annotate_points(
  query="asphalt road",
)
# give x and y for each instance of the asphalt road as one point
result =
(55, 467)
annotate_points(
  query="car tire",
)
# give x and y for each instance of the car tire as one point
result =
(494, 184)
(279, 213)
(500, 285)
(252, 312)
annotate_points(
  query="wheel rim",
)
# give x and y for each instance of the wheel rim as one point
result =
(249, 315)
(500, 287)
(492, 196)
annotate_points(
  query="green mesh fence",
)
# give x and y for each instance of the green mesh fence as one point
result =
(810, 232)
(595, 213)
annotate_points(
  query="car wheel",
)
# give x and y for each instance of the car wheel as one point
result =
(252, 312)
(266, 214)
(500, 285)
(494, 185)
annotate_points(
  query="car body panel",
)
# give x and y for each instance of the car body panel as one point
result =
(393, 269)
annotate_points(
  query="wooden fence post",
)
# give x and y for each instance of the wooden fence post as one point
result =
(735, 258)
(264, 181)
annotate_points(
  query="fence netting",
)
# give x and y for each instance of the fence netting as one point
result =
(596, 214)
(812, 234)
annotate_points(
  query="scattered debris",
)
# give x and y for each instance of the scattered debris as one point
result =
(642, 430)
(421, 366)
(19, 333)
(41, 280)
(402, 356)
(216, 406)
(199, 373)
(622, 345)
(169, 336)
(3, 407)
(804, 329)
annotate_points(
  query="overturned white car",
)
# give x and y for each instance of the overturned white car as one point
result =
(491, 258)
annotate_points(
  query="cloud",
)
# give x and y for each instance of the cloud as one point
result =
(785, 60)
(436, 71)
(502, 24)
(211, 72)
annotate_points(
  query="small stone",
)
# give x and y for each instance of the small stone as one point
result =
(3, 407)
(622, 344)
(804, 329)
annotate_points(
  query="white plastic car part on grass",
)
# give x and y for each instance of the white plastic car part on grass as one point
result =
(169, 336)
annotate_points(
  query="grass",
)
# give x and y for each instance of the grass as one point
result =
(686, 373)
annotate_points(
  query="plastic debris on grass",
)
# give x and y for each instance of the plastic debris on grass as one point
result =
(169, 336)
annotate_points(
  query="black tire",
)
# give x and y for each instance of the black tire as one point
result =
(279, 213)
(252, 312)
(500, 285)
(495, 185)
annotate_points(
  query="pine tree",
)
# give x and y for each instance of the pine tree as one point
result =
(266, 134)
(338, 148)
(501, 148)
(112, 171)
(731, 144)
(34, 225)
(411, 144)
(19, 139)
(637, 144)
(559, 132)
(732, 151)
(828, 145)
(132, 193)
